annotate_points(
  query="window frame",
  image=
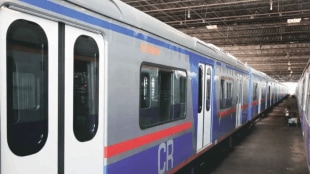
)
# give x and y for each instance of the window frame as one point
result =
(85, 126)
(162, 73)
(30, 120)
(225, 93)
(255, 91)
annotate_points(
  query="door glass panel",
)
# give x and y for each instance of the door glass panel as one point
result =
(226, 93)
(200, 84)
(208, 89)
(27, 87)
(86, 69)
(308, 100)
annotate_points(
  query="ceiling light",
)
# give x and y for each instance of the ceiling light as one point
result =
(294, 20)
(211, 27)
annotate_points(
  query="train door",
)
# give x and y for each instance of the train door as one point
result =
(239, 100)
(269, 97)
(259, 97)
(204, 106)
(28, 90)
(266, 94)
(305, 91)
(83, 132)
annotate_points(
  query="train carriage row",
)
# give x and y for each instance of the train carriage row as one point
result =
(303, 98)
(99, 87)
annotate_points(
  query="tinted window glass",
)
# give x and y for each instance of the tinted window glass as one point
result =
(162, 95)
(263, 94)
(200, 83)
(208, 89)
(255, 91)
(269, 96)
(27, 87)
(86, 85)
(226, 93)
(145, 90)
(308, 100)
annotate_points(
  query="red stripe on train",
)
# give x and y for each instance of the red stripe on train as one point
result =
(131, 144)
(226, 112)
(254, 103)
(230, 111)
(244, 107)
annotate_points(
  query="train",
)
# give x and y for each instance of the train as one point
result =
(101, 87)
(303, 97)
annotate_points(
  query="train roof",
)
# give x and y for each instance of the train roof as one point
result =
(124, 13)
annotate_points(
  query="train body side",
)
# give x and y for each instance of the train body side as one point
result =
(302, 94)
(149, 81)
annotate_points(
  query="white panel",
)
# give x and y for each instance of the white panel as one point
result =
(208, 114)
(44, 161)
(305, 92)
(240, 99)
(200, 119)
(260, 96)
(88, 156)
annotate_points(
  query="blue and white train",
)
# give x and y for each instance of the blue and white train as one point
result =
(303, 97)
(97, 86)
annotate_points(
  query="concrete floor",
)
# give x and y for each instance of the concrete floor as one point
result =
(272, 147)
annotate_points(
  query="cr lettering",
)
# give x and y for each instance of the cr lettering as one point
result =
(165, 156)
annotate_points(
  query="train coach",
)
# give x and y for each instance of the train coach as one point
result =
(100, 87)
(303, 98)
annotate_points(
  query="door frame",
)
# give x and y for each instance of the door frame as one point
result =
(47, 157)
(93, 149)
(240, 100)
(204, 115)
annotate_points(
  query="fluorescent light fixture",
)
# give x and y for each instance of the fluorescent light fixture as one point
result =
(294, 20)
(211, 27)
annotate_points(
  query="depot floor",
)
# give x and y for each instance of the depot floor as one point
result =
(271, 147)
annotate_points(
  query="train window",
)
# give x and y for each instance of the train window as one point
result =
(200, 90)
(268, 97)
(308, 101)
(226, 93)
(303, 92)
(254, 95)
(27, 87)
(86, 85)
(263, 94)
(162, 95)
(145, 90)
(208, 89)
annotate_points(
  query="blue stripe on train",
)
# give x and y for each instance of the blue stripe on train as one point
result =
(161, 157)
